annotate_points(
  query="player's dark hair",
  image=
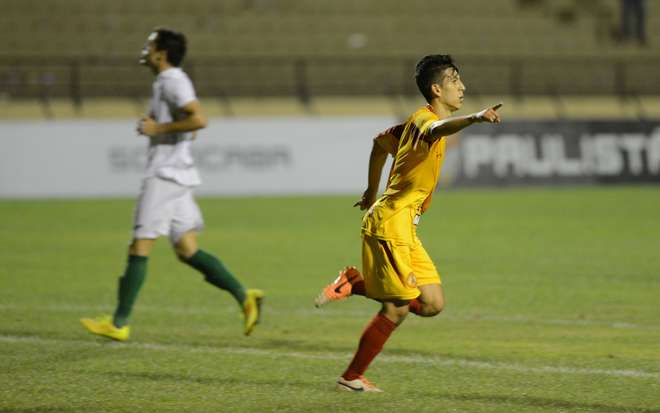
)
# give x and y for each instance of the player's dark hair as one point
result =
(174, 43)
(429, 70)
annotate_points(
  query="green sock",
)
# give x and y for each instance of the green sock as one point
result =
(217, 274)
(129, 286)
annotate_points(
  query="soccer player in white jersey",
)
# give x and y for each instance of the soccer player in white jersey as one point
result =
(166, 205)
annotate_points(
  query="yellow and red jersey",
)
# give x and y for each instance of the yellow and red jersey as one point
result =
(412, 179)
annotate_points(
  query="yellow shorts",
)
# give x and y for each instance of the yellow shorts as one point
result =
(393, 271)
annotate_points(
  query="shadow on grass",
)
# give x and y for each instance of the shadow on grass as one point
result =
(338, 349)
(552, 404)
(181, 378)
(305, 347)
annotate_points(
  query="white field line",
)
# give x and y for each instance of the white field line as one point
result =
(422, 360)
(93, 310)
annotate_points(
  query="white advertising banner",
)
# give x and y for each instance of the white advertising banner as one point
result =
(234, 156)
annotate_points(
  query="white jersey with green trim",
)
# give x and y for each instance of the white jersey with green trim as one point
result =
(169, 155)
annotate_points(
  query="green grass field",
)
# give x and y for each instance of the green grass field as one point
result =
(553, 305)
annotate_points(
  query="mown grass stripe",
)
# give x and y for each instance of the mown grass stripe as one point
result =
(404, 359)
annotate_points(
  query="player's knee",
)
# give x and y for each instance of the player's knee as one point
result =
(402, 312)
(181, 257)
(437, 306)
(183, 254)
(397, 318)
(396, 313)
(435, 309)
(139, 248)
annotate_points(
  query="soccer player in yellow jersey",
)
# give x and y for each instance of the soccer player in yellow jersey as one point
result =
(397, 271)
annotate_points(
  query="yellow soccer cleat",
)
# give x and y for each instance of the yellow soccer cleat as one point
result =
(103, 326)
(252, 309)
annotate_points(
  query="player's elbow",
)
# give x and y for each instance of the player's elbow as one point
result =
(201, 121)
(438, 131)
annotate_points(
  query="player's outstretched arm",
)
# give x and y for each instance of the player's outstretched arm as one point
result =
(451, 125)
(194, 121)
(376, 162)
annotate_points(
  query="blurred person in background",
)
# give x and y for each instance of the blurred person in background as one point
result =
(166, 205)
(633, 21)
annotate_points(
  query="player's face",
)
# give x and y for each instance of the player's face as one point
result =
(452, 89)
(149, 56)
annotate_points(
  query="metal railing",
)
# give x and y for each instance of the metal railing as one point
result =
(80, 78)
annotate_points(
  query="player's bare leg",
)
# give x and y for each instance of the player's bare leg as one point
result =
(141, 247)
(395, 311)
(430, 302)
(186, 246)
(217, 274)
(348, 282)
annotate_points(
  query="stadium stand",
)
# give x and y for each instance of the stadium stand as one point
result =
(82, 49)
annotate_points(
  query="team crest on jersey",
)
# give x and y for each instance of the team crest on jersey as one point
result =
(411, 280)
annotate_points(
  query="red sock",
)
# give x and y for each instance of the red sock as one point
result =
(415, 306)
(358, 288)
(371, 343)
